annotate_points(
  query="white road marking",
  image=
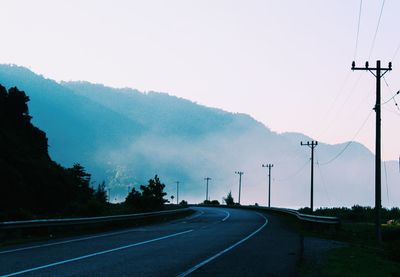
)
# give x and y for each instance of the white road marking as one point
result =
(71, 240)
(84, 238)
(224, 251)
(96, 254)
(227, 215)
(195, 215)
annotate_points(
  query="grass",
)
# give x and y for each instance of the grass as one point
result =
(354, 261)
(362, 255)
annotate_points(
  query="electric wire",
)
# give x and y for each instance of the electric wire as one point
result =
(395, 52)
(376, 31)
(352, 90)
(348, 143)
(393, 112)
(386, 181)
(358, 30)
(384, 79)
(333, 103)
(391, 98)
(386, 178)
(295, 173)
(323, 182)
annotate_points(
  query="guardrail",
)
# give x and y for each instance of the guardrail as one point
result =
(84, 220)
(308, 217)
(324, 220)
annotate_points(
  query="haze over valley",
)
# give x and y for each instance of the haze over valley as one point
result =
(125, 137)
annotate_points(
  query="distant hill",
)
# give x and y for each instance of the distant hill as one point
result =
(125, 137)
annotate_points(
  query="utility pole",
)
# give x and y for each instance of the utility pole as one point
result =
(269, 182)
(207, 179)
(312, 145)
(240, 182)
(378, 72)
(177, 192)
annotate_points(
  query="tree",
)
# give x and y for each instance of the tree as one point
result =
(134, 199)
(183, 203)
(229, 199)
(100, 194)
(153, 194)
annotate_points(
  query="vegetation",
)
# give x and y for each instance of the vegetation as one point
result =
(151, 197)
(363, 255)
(183, 203)
(356, 213)
(354, 261)
(229, 199)
(32, 185)
(211, 202)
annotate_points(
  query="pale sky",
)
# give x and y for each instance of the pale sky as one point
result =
(286, 63)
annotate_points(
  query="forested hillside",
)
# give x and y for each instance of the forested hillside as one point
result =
(31, 183)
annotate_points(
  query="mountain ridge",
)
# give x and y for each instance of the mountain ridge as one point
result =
(125, 136)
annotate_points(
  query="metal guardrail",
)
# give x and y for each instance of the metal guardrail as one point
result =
(302, 217)
(83, 220)
(308, 217)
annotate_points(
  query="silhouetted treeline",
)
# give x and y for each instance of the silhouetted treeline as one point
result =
(357, 213)
(150, 197)
(31, 184)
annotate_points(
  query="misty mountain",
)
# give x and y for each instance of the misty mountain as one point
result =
(125, 137)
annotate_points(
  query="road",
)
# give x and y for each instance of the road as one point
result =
(211, 242)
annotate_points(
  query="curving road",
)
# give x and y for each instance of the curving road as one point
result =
(212, 242)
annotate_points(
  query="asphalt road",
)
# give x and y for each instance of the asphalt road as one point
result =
(212, 242)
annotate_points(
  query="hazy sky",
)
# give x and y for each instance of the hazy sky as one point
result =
(286, 63)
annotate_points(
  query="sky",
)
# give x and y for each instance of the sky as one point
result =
(286, 63)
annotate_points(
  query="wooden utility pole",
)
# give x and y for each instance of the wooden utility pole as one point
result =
(312, 145)
(207, 179)
(240, 182)
(269, 166)
(378, 72)
(177, 192)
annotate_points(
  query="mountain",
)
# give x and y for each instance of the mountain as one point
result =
(125, 137)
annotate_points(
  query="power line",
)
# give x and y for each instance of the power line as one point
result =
(341, 107)
(393, 112)
(348, 143)
(395, 52)
(386, 181)
(358, 30)
(323, 182)
(295, 173)
(376, 31)
(391, 98)
(333, 103)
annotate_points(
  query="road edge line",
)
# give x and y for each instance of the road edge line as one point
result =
(206, 261)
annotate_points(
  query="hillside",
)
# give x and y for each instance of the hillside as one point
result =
(125, 137)
(31, 183)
